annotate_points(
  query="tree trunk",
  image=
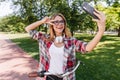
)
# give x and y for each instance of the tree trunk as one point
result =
(119, 32)
(72, 32)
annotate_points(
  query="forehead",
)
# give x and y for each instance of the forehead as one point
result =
(58, 18)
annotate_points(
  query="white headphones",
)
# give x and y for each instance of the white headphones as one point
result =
(58, 39)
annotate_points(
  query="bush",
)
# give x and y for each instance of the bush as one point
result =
(12, 24)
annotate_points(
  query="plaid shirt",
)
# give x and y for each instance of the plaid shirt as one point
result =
(71, 45)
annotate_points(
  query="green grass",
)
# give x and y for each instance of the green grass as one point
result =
(103, 63)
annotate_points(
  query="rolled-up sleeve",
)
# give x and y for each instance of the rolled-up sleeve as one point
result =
(36, 35)
(80, 46)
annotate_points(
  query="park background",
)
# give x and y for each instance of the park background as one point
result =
(103, 63)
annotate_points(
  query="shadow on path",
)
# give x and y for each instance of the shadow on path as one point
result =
(15, 64)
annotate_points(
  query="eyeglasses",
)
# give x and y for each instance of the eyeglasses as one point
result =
(58, 22)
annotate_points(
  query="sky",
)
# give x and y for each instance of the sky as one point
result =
(5, 8)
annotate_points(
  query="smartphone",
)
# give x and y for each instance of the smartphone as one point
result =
(89, 9)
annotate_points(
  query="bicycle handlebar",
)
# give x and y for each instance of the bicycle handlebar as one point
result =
(44, 73)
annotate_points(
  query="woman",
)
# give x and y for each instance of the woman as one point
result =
(57, 49)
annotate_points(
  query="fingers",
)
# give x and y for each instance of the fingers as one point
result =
(100, 15)
(96, 20)
(101, 21)
(52, 20)
(46, 20)
(97, 11)
(50, 23)
(97, 14)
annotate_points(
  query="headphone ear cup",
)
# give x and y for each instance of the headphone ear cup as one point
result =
(56, 39)
(59, 39)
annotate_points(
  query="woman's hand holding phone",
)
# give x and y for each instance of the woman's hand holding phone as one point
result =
(98, 16)
(101, 22)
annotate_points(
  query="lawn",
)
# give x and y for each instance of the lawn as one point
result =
(103, 63)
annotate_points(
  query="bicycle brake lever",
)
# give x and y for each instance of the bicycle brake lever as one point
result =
(41, 74)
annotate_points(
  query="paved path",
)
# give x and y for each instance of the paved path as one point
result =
(15, 64)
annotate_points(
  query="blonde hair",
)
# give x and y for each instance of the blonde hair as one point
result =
(66, 30)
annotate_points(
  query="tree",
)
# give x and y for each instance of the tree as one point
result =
(116, 5)
(12, 24)
(26, 9)
(113, 17)
(33, 10)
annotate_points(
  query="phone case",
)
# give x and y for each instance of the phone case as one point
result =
(89, 9)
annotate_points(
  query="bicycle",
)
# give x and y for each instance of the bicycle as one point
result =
(61, 76)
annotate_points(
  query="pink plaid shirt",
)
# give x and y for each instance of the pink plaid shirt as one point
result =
(71, 45)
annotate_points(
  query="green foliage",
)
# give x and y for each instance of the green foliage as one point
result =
(27, 10)
(113, 17)
(30, 11)
(12, 24)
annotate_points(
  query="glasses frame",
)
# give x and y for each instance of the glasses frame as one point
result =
(62, 22)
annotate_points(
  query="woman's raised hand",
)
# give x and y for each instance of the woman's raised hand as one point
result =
(101, 21)
(47, 20)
